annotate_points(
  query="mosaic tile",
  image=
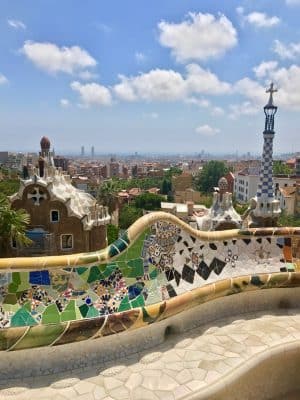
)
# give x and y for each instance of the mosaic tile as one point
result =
(51, 315)
(162, 264)
(22, 318)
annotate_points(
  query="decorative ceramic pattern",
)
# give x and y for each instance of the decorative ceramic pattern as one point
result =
(163, 271)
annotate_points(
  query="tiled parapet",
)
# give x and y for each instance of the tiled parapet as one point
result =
(156, 269)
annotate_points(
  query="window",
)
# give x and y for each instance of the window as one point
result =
(66, 241)
(54, 216)
(13, 243)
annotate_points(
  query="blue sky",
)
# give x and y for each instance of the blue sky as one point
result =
(159, 76)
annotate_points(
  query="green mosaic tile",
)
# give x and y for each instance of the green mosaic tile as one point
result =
(92, 312)
(11, 307)
(27, 306)
(109, 269)
(120, 244)
(13, 287)
(69, 312)
(41, 335)
(20, 282)
(113, 251)
(10, 299)
(290, 267)
(135, 250)
(16, 278)
(137, 267)
(124, 305)
(94, 275)
(51, 315)
(138, 301)
(24, 284)
(153, 274)
(84, 309)
(22, 318)
(84, 275)
(102, 267)
(81, 270)
(125, 237)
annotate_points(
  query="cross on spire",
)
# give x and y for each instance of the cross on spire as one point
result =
(271, 90)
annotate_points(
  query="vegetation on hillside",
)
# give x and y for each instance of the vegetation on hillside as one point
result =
(280, 168)
(209, 176)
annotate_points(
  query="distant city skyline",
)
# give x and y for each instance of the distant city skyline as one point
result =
(166, 77)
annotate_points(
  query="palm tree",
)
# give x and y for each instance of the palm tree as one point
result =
(12, 226)
(107, 195)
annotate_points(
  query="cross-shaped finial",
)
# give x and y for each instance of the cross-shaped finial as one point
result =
(271, 90)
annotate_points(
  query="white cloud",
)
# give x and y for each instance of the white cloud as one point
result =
(207, 130)
(140, 57)
(262, 20)
(245, 108)
(158, 84)
(92, 93)
(16, 24)
(258, 19)
(289, 51)
(200, 80)
(65, 103)
(87, 75)
(51, 58)
(252, 90)
(203, 103)
(199, 37)
(168, 85)
(3, 79)
(264, 68)
(287, 80)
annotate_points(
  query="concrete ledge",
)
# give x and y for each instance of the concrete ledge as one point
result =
(98, 352)
(273, 374)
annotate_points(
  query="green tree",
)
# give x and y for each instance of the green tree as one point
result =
(280, 168)
(172, 171)
(128, 215)
(288, 220)
(107, 195)
(112, 233)
(209, 176)
(9, 187)
(13, 225)
(166, 186)
(148, 201)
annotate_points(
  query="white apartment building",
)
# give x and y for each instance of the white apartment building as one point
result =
(246, 183)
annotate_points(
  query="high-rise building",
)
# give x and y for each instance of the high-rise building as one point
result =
(82, 151)
(92, 151)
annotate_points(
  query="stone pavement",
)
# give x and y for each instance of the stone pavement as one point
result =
(183, 366)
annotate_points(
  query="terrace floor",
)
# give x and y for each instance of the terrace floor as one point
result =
(194, 365)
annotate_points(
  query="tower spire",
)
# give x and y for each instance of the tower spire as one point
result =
(267, 208)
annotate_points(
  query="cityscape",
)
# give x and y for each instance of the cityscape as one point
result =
(149, 197)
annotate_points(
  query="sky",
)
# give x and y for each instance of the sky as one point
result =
(148, 76)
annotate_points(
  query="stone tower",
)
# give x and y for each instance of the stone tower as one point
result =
(265, 208)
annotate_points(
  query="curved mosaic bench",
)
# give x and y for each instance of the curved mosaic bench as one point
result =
(158, 268)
